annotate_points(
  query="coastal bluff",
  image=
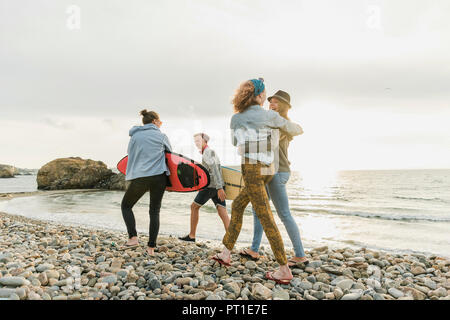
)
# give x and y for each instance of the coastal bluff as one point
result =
(78, 173)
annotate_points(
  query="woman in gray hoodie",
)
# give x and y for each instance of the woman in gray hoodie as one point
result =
(147, 171)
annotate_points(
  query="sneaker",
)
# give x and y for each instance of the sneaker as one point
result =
(187, 238)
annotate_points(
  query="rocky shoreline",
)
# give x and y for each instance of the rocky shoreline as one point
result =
(45, 261)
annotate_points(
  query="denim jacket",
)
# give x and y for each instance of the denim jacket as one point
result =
(256, 124)
(146, 152)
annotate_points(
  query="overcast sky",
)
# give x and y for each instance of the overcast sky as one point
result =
(369, 80)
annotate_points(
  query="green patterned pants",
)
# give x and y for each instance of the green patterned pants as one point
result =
(254, 191)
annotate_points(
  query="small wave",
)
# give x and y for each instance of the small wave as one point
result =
(321, 198)
(374, 215)
(420, 199)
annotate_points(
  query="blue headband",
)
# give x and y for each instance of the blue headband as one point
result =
(259, 86)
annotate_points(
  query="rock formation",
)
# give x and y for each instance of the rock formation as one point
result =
(6, 171)
(72, 173)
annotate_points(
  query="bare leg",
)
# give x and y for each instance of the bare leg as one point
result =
(195, 208)
(223, 214)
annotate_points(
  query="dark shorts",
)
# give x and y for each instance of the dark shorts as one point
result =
(209, 193)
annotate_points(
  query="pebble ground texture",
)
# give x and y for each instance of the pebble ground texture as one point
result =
(45, 261)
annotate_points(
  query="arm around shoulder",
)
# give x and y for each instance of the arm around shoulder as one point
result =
(288, 126)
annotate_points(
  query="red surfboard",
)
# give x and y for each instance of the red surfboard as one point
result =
(186, 175)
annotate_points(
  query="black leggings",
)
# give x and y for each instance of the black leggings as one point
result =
(138, 187)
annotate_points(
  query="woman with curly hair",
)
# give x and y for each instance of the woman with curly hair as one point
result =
(250, 125)
(276, 189)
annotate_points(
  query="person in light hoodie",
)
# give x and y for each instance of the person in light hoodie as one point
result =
(147, 170)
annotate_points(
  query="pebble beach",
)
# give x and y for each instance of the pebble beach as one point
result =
(45, 261)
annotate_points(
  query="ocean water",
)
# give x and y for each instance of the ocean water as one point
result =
(18, 184)
(399, 210)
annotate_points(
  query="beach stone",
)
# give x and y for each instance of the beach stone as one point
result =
(318, 294)
(345, 284)
(359, 286)
(121, 273)
(441, 292)
(14, 296)
(332, 269)
(338, 293)
(307, 296)
(430, 284)
(416, 294)
(109, 279)
(280, 294)
(181, 282)
(44, 267)
(320, 249)
(52, 274)
(329, 296)
(373, 283)
(377, 296)
(395, 293)
(305, 285)
(213, 297)
(233, 287)
(114, 290)
(14, 281)
(422, 289)
(337, 255)
(5, 257)
(155, 284)
(323, 277)
(251, 265)
(221, 272)
(315, 264)
(6, 292)
(295, 282)
(91, 282)
(261, 292)
(351, 296)
(416, 270)
(374, 272)
(163, 266)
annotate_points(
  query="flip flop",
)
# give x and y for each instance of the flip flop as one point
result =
(219, 260)
(293, 263)
(126, 247)
(244, 253)
(269, 275)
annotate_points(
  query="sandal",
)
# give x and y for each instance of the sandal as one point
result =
(269, 276)
(245, 253)
(128, 246)
(220, 260)
(294, 263)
